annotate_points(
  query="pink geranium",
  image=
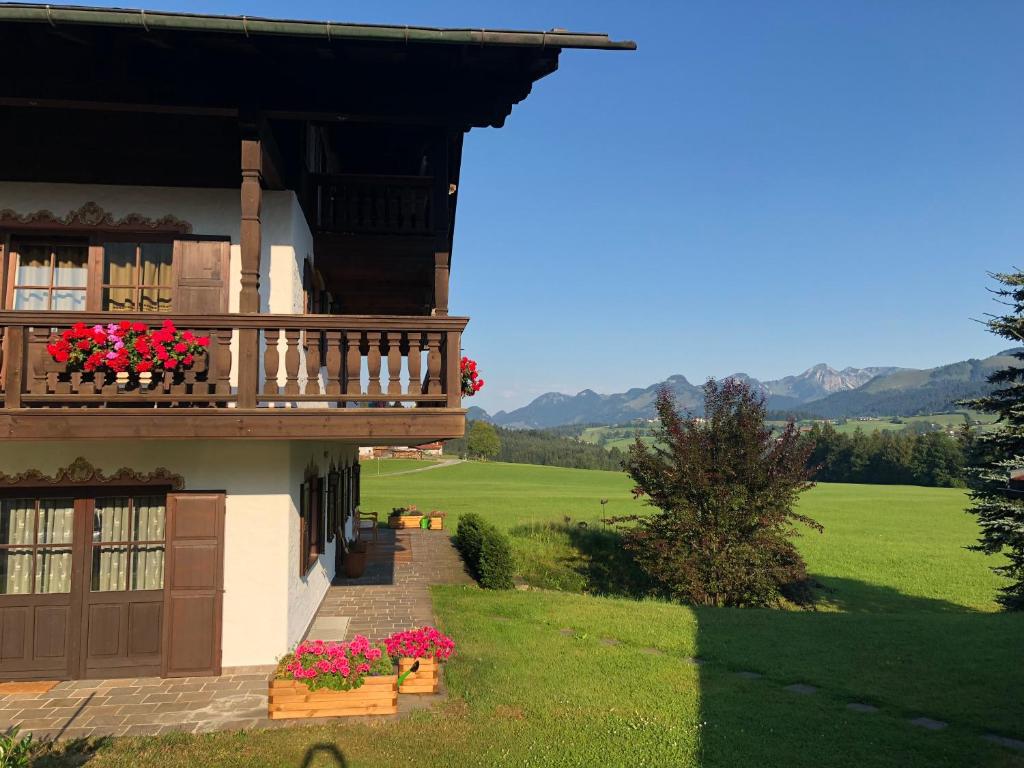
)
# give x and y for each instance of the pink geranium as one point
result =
(422, 643)
(337, 666)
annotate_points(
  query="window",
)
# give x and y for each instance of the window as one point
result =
(35, 545)
(49, 275)
(137, 277)
(128, 543)
(311, 525)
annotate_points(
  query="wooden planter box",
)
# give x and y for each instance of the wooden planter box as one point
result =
(425, 680)
(290, 699)
(405, 521)
(436, 523)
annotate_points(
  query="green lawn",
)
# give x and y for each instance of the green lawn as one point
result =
(907, 624)
(375, 467)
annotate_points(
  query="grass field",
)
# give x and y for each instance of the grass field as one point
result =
(562, 678)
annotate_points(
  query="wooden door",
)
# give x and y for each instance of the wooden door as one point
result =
(194, 584)
(122, 584)
(40, 542)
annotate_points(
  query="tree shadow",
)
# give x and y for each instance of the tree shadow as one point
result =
(68, 753)
(907, 655)
(594, 552)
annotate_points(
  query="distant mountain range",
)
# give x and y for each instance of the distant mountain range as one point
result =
(820, 390)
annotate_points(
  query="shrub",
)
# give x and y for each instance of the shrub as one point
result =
(496, 565)
(486, 550)
(469, 538)
(725, 489)
(14, 751)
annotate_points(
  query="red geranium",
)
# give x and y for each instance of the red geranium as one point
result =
(126, 346)
(471, 381)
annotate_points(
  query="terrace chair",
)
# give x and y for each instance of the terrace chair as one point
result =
(367, 521)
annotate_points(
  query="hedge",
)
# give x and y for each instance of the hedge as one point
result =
(486, 550)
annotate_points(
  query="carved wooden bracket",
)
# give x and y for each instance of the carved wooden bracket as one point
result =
(92, 216)
(82, 472)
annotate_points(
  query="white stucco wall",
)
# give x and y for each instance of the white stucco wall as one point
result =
(267, 604)
(286, 239)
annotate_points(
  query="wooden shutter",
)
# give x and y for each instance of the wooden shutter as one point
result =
(201, 269)
(193, 584)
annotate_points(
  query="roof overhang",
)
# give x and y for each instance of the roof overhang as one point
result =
(248, 26)
(304, 70)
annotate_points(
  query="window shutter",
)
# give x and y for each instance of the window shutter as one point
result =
(193, 584)
(201, 269)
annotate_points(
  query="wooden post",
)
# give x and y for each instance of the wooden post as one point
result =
(453, 375)
(250, 242)
(14, 383)
(441, 260)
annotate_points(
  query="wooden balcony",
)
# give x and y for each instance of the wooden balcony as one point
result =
(379, 379)
(374, 205)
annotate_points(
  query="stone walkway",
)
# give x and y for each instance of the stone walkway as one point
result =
(393, 594)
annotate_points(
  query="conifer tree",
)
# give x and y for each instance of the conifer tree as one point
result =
(998, 507)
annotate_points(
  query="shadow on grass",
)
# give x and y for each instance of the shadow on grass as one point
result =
(67, 754)
(579, 556)
(335, 759)
(909, 656)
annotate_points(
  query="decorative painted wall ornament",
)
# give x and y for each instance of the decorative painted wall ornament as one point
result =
(93, 216)
(82, 472)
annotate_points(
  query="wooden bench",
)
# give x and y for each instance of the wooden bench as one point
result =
(367, 521)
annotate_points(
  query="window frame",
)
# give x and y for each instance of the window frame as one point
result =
(12, 251)
(83, 497)
(312, 528)
(11, 240)
(127, 545)
(138, 240)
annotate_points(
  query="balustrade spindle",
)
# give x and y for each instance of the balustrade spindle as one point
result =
(353, 362)
(373, 362)
(394, 342)
(222, 361)
(415, 343)
(291, 361)
(37, 359)
(333, 362)
(312, 362)
(271, 361)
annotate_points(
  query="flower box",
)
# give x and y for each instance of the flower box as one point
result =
(290, 699)
(426, 679)
(436, 523)
(405, 521)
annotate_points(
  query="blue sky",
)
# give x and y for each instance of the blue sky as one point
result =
(760, 187)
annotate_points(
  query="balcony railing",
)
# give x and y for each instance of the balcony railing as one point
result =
(381, 205)
(266, 362)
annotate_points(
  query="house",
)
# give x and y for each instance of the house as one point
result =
(284, 191)
(425, 451)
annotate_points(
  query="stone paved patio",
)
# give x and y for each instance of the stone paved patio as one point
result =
(393, 594)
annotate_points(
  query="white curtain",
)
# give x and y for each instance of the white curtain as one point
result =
(16, 527)
(110, 564)
(148, 559)
(56, 526)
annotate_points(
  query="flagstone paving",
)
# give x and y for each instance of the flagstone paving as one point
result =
(801, 688)
(856, 706)
(927, 722)
(393, 594)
